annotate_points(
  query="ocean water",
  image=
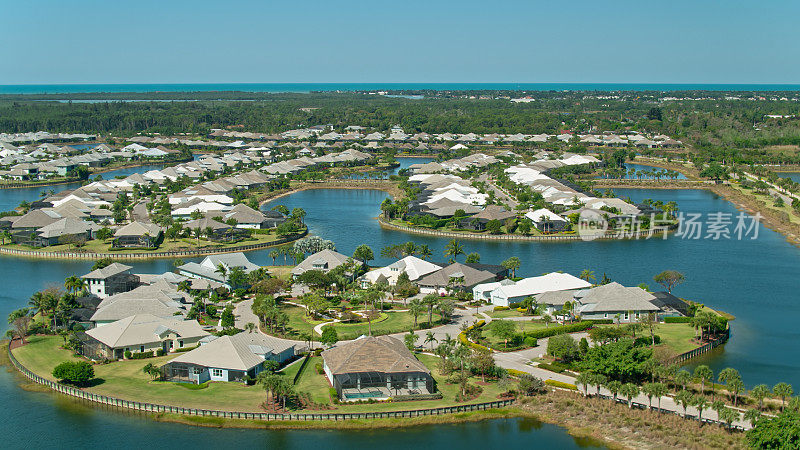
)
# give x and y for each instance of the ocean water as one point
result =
(332, 87)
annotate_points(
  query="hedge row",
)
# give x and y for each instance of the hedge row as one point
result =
(677, 319)
(562, 329)
(560, 384)
(462, 337)
(551, 367)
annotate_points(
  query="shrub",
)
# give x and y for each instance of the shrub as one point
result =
(160, 352)
(186, 349)
(127, 354)
(320, 369)
(561, 329)
(601, 321)
(74, 372)
(334, 395)
(554, 367)
(530, 341)
(677, 319)
(560, 384)
(142, 355)
(531, 385)
(500, 308)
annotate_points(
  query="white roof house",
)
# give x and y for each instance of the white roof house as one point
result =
(411, 265)
(555, 281)
(208, 268)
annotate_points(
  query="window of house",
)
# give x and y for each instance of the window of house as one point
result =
(197, 371)
(171, 344)
(141, 348)
(626, 316)
(180, 344)
(216, 372)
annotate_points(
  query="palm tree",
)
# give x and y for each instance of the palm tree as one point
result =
(588, 275)
(430, 339)
(783, 390)
(682, 378)
(454, 249)
(222, 270)
(74, 284)
(424, 251)
(274, 255)
(430, 301)
(648, 389)
(752, 415)
(584, 379)
(700, 403)
(684, 398)
(704, 373)
(760, 392)
(415, 308)
(614, 386)
(629, 390)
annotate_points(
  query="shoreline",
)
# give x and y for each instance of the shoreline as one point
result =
(742, 202)
(36, 254)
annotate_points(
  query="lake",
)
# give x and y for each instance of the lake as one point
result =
(644, 169)
(755, 280)
(794, 176)
(49, 421)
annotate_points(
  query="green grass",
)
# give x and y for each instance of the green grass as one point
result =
(395, 322)
(522, 327)
(677, 336)
(125, 379)
(504, 314)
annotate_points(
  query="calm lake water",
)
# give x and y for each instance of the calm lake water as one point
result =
(46, 420)
(644, 169)
(795, 176)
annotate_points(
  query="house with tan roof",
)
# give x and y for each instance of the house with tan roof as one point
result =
(229, 358)
(141, 333)
(376, 368)
(110, 280)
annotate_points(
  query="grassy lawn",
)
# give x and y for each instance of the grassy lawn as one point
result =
(522, 327)
(124, 379)
(388, 322)
(677, 336)
(395, 322)
(504, 314)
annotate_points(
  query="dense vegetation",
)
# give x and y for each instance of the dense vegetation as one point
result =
(721, 128)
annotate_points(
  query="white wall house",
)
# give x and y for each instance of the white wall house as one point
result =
(515, 293)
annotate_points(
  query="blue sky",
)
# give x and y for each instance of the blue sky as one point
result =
(601, 41)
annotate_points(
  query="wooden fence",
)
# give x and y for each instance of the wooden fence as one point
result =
(157, 408)
(149, 255)
(538, 238)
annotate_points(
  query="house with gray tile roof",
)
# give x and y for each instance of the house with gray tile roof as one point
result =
(615, 301)
(141, 333)
(229, 358)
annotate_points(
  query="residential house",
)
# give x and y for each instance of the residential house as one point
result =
(547, 221)
(138, 234)
(229, 358)
(376, 368)
(530, 287)
(110, 280)
(615, 301)
(141, 333)
(456, 276)
(325, 260)
(209, 268)
(412, 266)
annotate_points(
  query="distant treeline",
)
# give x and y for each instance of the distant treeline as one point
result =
(717, 128)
